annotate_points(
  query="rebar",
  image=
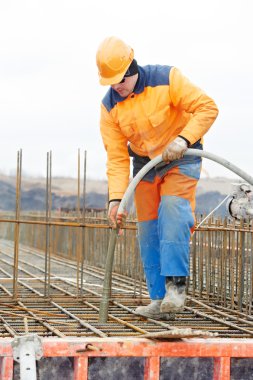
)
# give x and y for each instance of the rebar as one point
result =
(17, 226)
(50, 295)
(48, 225)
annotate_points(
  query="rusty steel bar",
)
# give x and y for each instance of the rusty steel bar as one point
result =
(106, 226)
(17, 227)
(47, 237)
(80, 321)
(223, 265)
(215, 244)
(129, 322)
(240, 270)
(63, 224)
(43, 322)
(211, 317)
(48, 226)
(209, 263)
(77, 232)
(7, 327)
(83, 220)
(111, 316)
(232, 271)
(251, 275)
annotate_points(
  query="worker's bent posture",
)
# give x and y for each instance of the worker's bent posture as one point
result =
(157, 110)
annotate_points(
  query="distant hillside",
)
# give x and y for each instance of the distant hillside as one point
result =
(206, 202)
(210, 192)
(60, 185)
(35, 199)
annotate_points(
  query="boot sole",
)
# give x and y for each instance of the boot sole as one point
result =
(162, 316)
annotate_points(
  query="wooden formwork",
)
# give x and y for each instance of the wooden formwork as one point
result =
(221, 351)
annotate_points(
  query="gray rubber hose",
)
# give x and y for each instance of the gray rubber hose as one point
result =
(106, 294)
(189, 152)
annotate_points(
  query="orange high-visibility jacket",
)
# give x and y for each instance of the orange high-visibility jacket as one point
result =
(163, 105)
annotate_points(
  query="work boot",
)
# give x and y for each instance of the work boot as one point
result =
(175, 296)
(152, 311)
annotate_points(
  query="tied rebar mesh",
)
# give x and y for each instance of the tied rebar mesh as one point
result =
(60, 292)
(221, 264)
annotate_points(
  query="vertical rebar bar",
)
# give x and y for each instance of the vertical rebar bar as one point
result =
(83, 218)
(218, 261)
(224, 260)
(251, 271)
(247, 269)
(17, 226)
(232, 268)
(77, 231)
(200, 264)
(134, 273)
(194, 268)
(243, 268)
(209, 260)
(48, 227)
(240, 267)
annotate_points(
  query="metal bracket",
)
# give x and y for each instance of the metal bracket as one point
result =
(26, 350)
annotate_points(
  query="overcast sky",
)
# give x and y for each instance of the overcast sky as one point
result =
(49, 90)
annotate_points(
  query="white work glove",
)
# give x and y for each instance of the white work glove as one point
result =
(174, 150)
(112, 214)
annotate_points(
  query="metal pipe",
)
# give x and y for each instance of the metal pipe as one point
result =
(104, 304)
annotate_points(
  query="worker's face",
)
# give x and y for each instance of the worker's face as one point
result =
(126, 86)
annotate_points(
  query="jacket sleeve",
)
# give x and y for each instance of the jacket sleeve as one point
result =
(118, 161)
(191, 99)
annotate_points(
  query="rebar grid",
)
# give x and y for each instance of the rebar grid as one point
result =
(221, 254)
(52, 269)
(66, 314)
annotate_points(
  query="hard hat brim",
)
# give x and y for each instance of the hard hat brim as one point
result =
(110, 81)
(117, 78)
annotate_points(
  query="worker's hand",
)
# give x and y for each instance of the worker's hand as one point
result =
(174, 150)
(112, 213)
(114, 219)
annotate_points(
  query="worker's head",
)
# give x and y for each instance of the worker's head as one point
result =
(116, 65)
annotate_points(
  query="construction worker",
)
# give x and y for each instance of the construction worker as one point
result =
(148, 111)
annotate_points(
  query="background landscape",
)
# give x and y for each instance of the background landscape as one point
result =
(210, 192)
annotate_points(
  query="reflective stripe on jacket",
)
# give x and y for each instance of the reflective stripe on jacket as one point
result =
(163, 105)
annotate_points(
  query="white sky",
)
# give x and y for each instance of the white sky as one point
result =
(49, 90)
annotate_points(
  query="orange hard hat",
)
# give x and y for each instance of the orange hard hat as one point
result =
(113, 59)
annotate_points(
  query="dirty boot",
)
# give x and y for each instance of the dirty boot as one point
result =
(152, 311)
(175, 296)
